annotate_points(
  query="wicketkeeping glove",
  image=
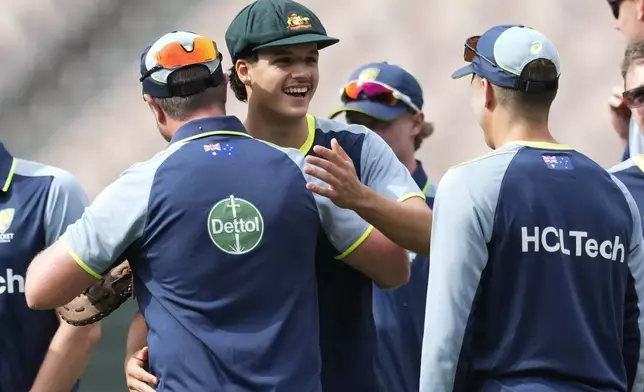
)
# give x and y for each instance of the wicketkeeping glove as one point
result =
(100, 299)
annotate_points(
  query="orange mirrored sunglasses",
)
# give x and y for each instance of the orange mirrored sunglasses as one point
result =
(470, 48)
(471, 51)
(174, 55)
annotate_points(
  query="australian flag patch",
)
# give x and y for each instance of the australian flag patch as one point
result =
(558, 162)
(220, 149)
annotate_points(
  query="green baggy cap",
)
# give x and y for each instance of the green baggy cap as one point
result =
(271, 23)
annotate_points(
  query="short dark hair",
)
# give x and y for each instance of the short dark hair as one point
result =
(236, 85)
(634, 52)
(181, 108)
(533, 107)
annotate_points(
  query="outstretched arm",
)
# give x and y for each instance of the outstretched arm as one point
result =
(385, 195)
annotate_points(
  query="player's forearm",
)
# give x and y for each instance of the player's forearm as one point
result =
(66, 358)
(407, 223)
(137, 336)
(381, 260)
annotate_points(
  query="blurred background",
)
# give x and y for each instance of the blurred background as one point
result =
(73, 100)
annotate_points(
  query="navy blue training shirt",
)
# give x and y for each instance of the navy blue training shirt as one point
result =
(37, 203)
(537, 277)
(348, 338)
(399, 316)
(221, 234)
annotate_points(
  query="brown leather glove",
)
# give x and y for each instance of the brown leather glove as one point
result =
(100, 299)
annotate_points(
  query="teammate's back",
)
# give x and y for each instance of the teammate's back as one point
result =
(220, 232)
(537, 275)
(557, 293)
(237, 291)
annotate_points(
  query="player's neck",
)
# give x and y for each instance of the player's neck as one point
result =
(174, 125)
(284, 132)
(512, 131)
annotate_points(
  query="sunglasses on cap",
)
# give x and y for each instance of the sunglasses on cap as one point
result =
(174, 55)
(376, 92)
(470, 51)
(634, 97)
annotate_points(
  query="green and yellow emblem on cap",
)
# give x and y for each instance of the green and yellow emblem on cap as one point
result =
(297, 22)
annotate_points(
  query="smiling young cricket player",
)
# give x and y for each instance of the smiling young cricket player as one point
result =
(275, 46)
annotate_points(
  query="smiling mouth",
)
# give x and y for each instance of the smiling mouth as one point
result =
(296, 92)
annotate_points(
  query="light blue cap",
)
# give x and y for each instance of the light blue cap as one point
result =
(504, 51)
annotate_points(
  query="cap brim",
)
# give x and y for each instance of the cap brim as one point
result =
(322, 40)
(466, 70)
(376, 110)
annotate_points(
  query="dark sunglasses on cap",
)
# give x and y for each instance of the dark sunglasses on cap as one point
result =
(634, 97)
(376, 92)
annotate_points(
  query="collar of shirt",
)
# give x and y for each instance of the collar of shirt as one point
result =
(420, 177)
(202, 127)
(7, 164)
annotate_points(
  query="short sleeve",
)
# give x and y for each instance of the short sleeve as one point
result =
(345, 229)
(383, 172)
(112, 222)
(66, 202)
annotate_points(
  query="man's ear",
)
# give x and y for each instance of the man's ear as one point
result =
(490, 96)
(242, 67)
(419, 123)
(158, 113)
(640, 10)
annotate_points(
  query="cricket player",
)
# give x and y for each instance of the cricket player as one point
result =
(38, 352)
(537, 275)
(630, 172)
(274, 45)
(389, 100)
(629, 17)
(220, 231)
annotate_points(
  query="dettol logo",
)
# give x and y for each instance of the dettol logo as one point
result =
(235, 225)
